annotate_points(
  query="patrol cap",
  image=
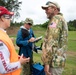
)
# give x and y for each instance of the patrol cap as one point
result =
(28, 21)
(5, 11)
(49, 3)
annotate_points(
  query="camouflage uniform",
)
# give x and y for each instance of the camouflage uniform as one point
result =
(26, 68)
(55, 42)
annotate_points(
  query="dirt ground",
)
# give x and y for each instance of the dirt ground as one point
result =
(12, 30)
(71, 53)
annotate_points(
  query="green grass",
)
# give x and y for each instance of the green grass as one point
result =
(70, 67)
(72, 41)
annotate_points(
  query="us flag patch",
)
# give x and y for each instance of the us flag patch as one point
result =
(52, 25)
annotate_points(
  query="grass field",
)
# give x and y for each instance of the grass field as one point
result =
(70, 67)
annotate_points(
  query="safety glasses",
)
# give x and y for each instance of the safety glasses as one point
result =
(30, 24)
(7, 16)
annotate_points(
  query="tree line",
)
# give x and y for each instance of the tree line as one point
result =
(71, 25)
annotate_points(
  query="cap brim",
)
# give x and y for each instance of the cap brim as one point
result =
(44, 7)
(10, 13)
(28, 23)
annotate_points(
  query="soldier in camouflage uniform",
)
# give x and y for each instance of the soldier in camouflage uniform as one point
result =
(55, 42)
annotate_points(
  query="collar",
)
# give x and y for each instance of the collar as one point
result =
(2, 29)
(25, 28)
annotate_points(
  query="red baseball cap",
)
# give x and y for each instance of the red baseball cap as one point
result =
(4, 10)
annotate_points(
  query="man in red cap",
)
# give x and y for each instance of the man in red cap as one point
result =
(9, 62)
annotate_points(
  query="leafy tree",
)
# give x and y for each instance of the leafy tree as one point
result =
(45, 24)
(72, 25)
(12, 5)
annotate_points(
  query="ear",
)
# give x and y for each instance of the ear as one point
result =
(55, 8)
(2, 18)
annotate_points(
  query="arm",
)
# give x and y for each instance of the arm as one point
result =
(5, 65)
(46, 54)
(64, 36)
(20, 41)
(45, 59)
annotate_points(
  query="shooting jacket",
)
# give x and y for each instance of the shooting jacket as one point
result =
(55, 42)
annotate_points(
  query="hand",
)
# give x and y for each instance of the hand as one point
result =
(32, 39)
(19, 56)
(46, 69)
(23, 60)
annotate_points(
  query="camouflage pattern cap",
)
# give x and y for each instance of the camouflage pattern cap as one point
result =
(28, 20)
(49, 3)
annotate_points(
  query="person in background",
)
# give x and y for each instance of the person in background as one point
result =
(10, 61)
(55, 42)
(25, 39)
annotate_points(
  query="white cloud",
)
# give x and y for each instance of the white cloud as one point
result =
(32, 9)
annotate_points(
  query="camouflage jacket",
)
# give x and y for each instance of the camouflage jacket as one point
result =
(55, 42)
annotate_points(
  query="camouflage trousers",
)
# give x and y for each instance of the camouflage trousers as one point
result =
(56, 71)
(27, 68)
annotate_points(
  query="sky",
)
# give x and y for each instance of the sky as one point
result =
(32, 9)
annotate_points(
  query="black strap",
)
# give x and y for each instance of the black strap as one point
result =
(25, 33)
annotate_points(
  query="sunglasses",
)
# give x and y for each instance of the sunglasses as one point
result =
(7, 16)
(30, 24)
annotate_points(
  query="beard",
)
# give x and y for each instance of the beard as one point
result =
(49, 16)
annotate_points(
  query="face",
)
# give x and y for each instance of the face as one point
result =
(6, 20)
(28, 26)
(50, 12)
